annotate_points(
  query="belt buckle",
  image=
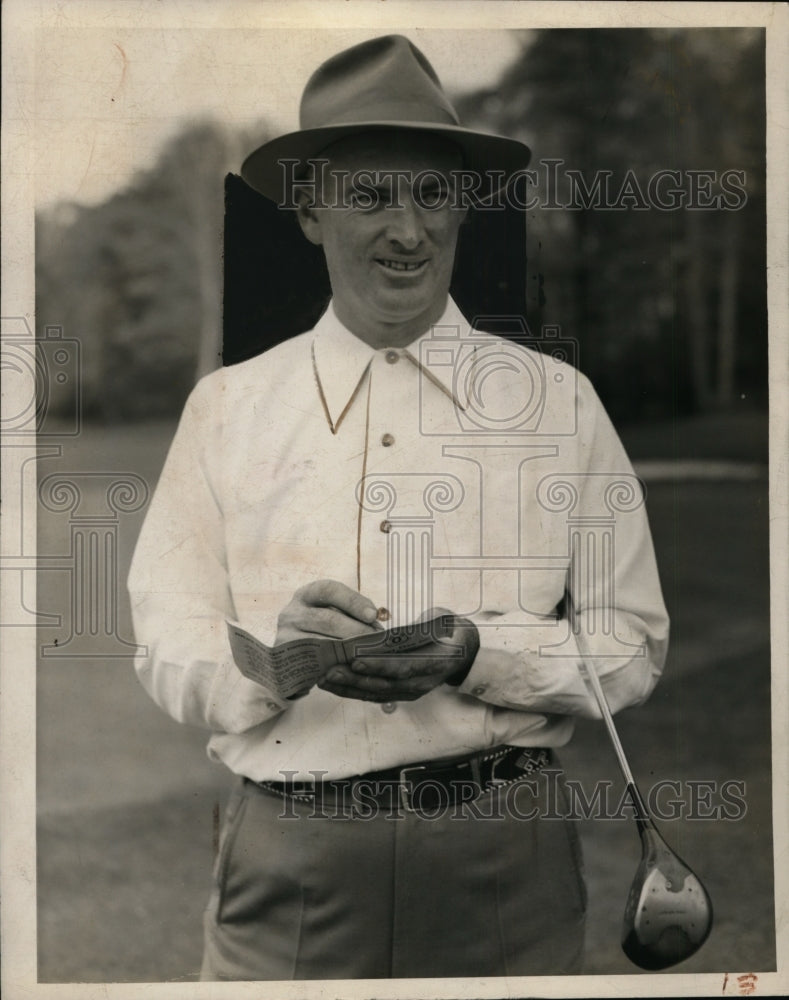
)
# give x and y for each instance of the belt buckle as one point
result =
(493, 780)
(403, 789)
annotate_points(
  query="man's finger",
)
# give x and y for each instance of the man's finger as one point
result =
(329, 622)
(333, 594)
(393, 694)
(345, 677)
(424, 662)
(344, 690)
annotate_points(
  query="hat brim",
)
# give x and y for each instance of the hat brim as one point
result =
(483, 153)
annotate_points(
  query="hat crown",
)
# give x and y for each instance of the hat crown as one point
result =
(382, 84)
(385, 79)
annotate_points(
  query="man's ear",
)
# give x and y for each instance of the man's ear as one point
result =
(308, 218)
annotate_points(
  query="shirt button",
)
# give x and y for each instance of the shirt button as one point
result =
(387, 440)
(386, 527)
(479, 689)
(272, 706)
(392, 357)
(389, 707)
(383, 615)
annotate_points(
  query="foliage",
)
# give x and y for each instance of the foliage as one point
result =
(138, 278)
(668, 306)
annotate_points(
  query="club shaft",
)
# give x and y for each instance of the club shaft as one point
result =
(597, 689)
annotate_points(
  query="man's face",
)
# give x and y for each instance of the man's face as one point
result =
(389, 231)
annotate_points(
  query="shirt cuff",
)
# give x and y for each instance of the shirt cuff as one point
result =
(522, 677)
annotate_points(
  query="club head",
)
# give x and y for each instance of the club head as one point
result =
(668, 915)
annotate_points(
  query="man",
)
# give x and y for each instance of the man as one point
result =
(405, 817)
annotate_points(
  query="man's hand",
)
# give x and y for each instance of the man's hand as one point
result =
(409, 675)
(326, 609)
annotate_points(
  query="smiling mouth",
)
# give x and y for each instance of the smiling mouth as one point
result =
(401, 265)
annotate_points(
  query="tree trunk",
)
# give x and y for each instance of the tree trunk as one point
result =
(727, 311)
(698, 313)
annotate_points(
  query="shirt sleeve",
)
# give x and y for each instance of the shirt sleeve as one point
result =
(179, 588)
(613, 618)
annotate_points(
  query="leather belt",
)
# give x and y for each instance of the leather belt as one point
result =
(424, 786)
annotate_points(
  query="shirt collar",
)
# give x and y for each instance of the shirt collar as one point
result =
(341, 361)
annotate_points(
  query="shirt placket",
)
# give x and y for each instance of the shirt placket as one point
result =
(395, 533)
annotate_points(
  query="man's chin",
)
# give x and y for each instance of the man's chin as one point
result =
(405, 306)
(391, 320)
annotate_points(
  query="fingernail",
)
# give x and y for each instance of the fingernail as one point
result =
(369, 614)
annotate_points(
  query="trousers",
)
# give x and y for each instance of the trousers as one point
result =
(492, 887)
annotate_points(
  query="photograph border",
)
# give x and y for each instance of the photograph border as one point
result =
(21, 22)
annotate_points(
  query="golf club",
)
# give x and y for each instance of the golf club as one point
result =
(668, 915)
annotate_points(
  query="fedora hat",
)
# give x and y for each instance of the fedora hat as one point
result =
(380, 85)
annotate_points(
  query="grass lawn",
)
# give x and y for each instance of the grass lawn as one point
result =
(128, 803)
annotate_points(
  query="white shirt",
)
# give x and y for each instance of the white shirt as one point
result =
(461, 472)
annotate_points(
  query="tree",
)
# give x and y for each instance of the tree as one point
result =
(637, 284)
(138, 278)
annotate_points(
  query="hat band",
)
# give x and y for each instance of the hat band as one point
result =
(397, 113)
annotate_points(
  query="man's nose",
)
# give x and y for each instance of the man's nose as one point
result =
(404, 224)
